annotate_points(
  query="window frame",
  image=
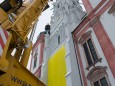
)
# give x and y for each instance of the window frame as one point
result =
(88, 50)
(97, 73)
(35, 62)
(59, 39)
(105, 79)
(86, 41)
(83, 40)
(35, 58)
(99, 80)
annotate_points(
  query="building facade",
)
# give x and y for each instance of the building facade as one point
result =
(60, 66)
(95, 44)
(37, 55)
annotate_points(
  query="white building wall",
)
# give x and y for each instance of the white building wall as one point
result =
(101, 55)
(94, 3)
(75, 71)
(84, 62)
(45, 60)
(108, 22)
(66, 16)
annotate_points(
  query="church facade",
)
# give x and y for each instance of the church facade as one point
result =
(60, 67)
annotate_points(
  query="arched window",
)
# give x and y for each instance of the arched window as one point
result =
(98, 76)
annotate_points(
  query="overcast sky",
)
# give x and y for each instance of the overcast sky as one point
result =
(1, 1)
(44, 19)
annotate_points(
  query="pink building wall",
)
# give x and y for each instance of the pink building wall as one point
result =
(38, 49)
(100, 35)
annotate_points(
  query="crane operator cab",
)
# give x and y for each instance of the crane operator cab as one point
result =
(9, 9)
(6, 5)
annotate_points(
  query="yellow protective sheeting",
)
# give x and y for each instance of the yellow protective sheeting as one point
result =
(57, 68)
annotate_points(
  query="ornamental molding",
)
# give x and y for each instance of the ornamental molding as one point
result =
(96, 71)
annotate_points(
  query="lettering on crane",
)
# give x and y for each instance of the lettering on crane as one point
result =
(18, 81)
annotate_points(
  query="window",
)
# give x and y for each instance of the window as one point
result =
(89, 49)
(98, 76)
(101, 82)
(59, 39)
(96, 83)
(35, 61)
(90, 52)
